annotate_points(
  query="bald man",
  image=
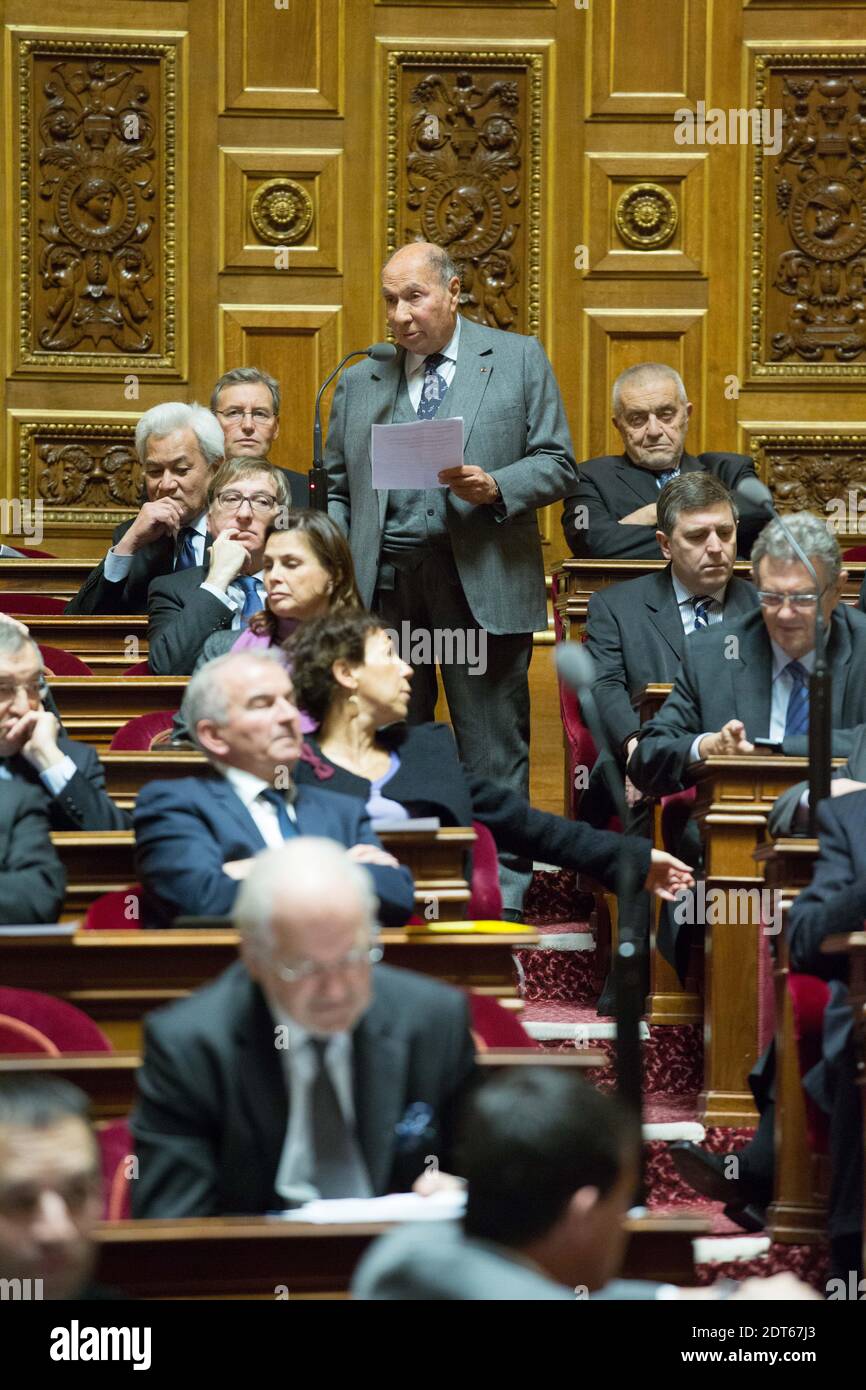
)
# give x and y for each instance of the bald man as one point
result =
(456, 570)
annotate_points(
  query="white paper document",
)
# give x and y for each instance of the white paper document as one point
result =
(397, 1206)
(412, 455)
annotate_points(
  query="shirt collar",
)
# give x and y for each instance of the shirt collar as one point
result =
(200, 524)
(415, 363)
(247, 786)
(781, 659)
(297, 1037)
(683, 594)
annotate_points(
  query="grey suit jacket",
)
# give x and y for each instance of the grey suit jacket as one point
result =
(514, 427)
(181, 616)
(784, 819)
(634, 634)
(715, 685)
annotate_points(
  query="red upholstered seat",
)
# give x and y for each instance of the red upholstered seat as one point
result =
(17, 604)
(62, 1027)
(809, 996)
(140, 668)
(109, 912)
(676, 810)
(485, 901)
(144, 732)
(34, 554)
(854, 552)
(494, 1026)
(61, 663)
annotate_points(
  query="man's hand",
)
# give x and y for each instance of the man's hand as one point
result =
(644, 516)
(227, 559)
(35, 735)
(730, 740)
(633, 794)
(470, 484)
(428, 1183)
(164, 517)
(841, 786)
(667, 876)
(372, 854)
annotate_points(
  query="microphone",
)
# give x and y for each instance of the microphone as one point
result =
(752, 490)
(318, 477)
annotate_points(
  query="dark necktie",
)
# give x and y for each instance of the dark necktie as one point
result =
(288, 828)
(797, 716)
(338, 1168)
(665, 477)
(434, 387)
(252, 602)
(701, 606)
(186, 550)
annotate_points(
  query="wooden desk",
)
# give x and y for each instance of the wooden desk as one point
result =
(127, 773)
(108, 645)
(854, 945)
(265, 1258)
(734, 798)
(798, 1213)
(578, 580)
(93, 709)
(56, 578)
(99, 862)
(116, 977)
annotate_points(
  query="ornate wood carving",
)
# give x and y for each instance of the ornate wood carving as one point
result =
(820, 473)
(809, 281)
(98, 200)
(281, 211)
(82, 472)
(646, 216)
(464, 170)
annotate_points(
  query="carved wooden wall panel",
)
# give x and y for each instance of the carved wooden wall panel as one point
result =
(625, 81)
(83, 471)
(278, 198)
(811, 469)
(464, 161)
(287, 59)
(645, 213)
(99, 205)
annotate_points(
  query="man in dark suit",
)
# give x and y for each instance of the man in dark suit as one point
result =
(34, 750)
(611, 514)
(636, 631)
(305, 1070)
(790, 813)
(246, 402)
(464, 557)
(32, 878)
(178, 446)
(245, 497)
(195, 837)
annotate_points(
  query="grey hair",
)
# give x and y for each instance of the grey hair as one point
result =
(309, 866)
(641, 372)
(205, 697)
(811, 531)
(244, 376)
(12, 639)
(438, 260)
(161, 420)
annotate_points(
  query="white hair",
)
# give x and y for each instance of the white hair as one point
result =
(13, 640)
(205, 696)
(642, 372)
(307, 868)
(161, 420)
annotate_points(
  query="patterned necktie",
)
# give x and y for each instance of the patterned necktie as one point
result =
(434, 387)
(288, 828)
(185, 558)
(662, 478)
(797, 716)
(701, 603)
(339, 1169)
(252, 602)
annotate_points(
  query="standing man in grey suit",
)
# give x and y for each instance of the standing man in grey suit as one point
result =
(467, 556)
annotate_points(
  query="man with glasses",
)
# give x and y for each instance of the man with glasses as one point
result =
(611, 514)
(178, 447)
(246, 402)
(195, 836)
(306, 1069)
(244, 497)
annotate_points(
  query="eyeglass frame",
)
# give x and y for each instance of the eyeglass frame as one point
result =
(259, 414)
(316, 970)
(255, 505)
(40, 683)
(797, 601)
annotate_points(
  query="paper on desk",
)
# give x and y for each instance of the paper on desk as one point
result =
(397, 1206)
(412, 455)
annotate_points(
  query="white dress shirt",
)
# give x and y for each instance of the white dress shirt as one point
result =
(780, 695)
(300, 1063)
(249, 788)
(54, 778)
(116, 567)
(414, 367)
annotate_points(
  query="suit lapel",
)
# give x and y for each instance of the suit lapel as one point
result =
(839, 662)
(380, 1064)
(475, 365)
(222, 790)
(263, 1085)
(664, 612)
(751, 679)
(637, 480)
(740, 599)
(382, 392)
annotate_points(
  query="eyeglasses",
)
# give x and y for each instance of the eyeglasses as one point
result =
(34, 689)
(262, 503)
(235, 413)
(772, 600)
(312, 970)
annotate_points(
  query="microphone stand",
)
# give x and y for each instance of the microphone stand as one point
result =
(318, 474)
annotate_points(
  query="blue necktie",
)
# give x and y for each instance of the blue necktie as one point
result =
(434, 387)
(797, 716)
(288, 829)
(186, 551)
(662, 478)
(252, 602)
(701, 605)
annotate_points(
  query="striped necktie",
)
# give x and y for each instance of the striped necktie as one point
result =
(701, 604)
(797, 715)
(434, 387)
(665, 477)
